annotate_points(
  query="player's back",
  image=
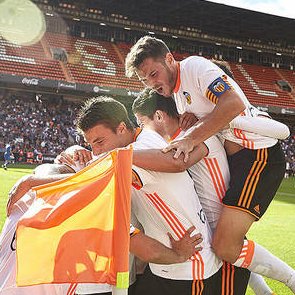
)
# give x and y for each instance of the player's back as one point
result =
(167, 202)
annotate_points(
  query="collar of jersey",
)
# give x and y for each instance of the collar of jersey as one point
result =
(137, 132)
(175, 134)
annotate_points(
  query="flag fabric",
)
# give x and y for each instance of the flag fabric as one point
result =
(77, 230)
(8, 256)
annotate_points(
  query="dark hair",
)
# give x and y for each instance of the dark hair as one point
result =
(102, 110)
(149, 101)
(224, 66)
(145, 47)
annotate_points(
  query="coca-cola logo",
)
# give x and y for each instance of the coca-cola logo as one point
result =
(32, 81)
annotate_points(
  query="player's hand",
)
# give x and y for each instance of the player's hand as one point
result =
(181, 146)
(83, 156)
(74, 154)
(64, 158)
(187, 246)
(187, 120)
(21, 187)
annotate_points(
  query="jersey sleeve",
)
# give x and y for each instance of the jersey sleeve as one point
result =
(146, 140)
(212, 81)
(133, 230)
(261, 125)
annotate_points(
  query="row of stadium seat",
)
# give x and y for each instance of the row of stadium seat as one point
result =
(102, 63)
(259, 84)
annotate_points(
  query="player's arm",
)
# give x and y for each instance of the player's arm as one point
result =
(151, 250)
(24, 184)
(261, 125)
(156, 160)
(229, 105)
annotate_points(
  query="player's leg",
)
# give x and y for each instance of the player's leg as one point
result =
(256, 176)
(5, 163)
(228, 238)
(229, 244)
(258, 285)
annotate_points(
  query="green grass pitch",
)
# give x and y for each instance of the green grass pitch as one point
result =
(275, 230)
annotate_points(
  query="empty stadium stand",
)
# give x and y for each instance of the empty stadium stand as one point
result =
(93, 62)
(28, 61)
(259, 84)
(102, 63)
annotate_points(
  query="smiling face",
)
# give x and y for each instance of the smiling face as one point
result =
(159, 74)
(103, 139)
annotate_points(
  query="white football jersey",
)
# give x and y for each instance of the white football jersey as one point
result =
(199, 85)
(211, 178)
(8, 258)
(168, 202)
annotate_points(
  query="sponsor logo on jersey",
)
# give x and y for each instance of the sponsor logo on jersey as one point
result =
(202, 216)
(13, 243)
(136, 181)
(187, 97)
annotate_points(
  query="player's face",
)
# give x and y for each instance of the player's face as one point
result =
(160, 74)
(103, 139)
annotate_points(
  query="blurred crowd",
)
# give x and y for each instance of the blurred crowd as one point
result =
(33, 126)
(48, 127)
(288, 146)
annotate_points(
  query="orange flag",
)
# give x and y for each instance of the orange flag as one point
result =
(77, 230)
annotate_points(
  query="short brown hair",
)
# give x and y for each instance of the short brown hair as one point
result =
(145, 47)
(224, 66)
(102, 110)
(149, 101)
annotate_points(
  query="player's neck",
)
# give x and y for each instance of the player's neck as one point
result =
(171, 130)
(133, 134)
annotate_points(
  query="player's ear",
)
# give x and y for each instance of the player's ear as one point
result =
(121, 129)
(169, 58)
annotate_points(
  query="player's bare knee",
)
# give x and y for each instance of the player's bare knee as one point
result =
(225, 250)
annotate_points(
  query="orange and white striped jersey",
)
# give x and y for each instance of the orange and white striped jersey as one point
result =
(8, 258)
(168, 202)
(199, 86)
(211, 177)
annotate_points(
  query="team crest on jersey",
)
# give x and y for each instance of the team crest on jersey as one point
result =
(187, 97)
(218, 86)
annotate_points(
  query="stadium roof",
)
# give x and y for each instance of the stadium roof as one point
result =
(208, 17)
